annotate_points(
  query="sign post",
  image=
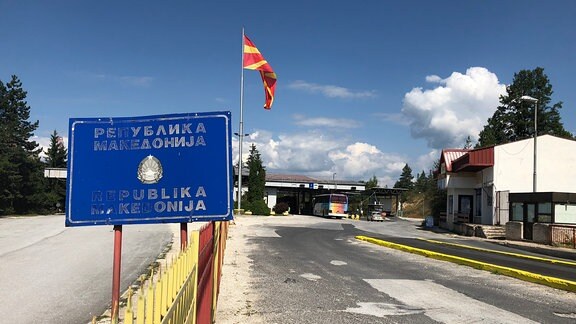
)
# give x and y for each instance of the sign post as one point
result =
(116, 266)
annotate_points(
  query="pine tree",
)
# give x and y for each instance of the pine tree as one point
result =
(20, 166)
(468, 143)
(372, 183)
(421, 184)
(56, 157)
(514, 119)
(405, 181)
(56, 154)
(256, 183)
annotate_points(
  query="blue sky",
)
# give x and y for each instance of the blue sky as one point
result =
(364, 87)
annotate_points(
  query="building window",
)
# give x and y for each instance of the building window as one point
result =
(531, 213)
(544, 213)
(517, 212)
(564, 214)
(450, 204)
(442, 184)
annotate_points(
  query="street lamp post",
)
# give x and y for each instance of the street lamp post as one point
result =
(535, 101)
(240, 136)
(333, 179)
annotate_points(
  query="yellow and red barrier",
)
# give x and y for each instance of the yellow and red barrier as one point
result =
(187, 290)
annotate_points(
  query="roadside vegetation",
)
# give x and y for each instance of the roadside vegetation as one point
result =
(23, 188)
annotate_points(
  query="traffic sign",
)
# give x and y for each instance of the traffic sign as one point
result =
(153, 169)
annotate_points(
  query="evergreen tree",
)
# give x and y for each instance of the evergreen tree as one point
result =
(56, 154)
(405, 181)
(468, 143)
(56, 157)
(256, 183)
(514, 119)
(421, 184)
(20, 166)
(372, 183)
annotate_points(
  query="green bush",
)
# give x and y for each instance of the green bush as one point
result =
(259, 207)
(245, 205)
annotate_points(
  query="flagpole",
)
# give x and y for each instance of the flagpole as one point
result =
(241, 129)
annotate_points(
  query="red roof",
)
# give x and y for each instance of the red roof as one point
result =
(449, 155)
(474, 160)
(463, 160)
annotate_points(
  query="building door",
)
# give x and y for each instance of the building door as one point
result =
(465, 206)
(529, 219)
(502, 203)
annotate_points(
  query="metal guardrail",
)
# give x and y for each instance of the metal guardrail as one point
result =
(563, 235)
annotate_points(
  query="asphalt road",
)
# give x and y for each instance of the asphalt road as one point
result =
(53, 274)
(557, 270)
(311, 270)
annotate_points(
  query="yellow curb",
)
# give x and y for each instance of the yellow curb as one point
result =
(568, 263)
(515, 273)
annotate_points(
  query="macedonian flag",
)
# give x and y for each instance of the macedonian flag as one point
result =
(253, 60)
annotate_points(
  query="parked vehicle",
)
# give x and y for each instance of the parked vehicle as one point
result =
(376, 216)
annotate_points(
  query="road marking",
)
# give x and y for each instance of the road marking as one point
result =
(443, 304)
(338, 263)
(384, 309)
(566, 315)
(310, 276)
(502, 252)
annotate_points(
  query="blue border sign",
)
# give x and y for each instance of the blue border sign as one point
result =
(154, 169)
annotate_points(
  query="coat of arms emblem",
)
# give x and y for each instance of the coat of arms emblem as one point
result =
(149, 170)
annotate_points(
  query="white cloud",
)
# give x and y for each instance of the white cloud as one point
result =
(433, 79)
(331, 91)
(126, 80)
(325, 122)
(457, 108)
(363, 160)
(396, 118)
(425, 162)
(318, 155)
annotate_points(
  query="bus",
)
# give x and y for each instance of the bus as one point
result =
(331, 205)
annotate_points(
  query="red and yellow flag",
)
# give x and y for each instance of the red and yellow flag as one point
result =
(253, 60)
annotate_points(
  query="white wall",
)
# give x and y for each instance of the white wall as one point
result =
(556, 168)
(271, 196)
(244, 191)
(484, 181)
(513, 166)
(461, 180)
(556, 161)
